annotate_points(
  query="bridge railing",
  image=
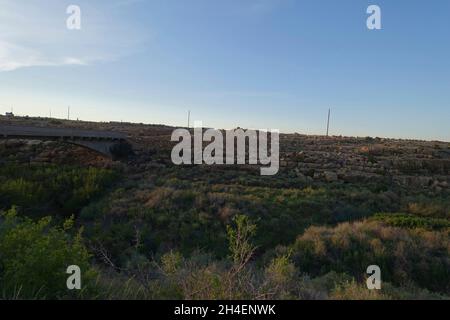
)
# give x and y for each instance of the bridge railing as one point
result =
(68, 133)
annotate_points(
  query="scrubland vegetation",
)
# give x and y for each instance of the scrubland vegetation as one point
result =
(145, 229)
(184, 237)
(55, 190)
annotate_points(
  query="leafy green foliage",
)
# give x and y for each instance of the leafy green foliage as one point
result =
(239, 239)
(409, 221)
(34, 257)
(185, 215)
(190, 233)
(39, 189)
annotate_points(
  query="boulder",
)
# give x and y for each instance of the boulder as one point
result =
(330, 176)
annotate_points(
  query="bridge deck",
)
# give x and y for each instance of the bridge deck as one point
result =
(42, 132)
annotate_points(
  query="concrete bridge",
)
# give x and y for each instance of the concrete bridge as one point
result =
(111, 144)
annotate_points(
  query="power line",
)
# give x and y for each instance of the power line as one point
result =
(328, 121)
(189, 118)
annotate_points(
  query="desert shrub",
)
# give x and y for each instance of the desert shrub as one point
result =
(157, 221)
(409, 221)
(353, 290)
(238, 276)
(200, 276)
(111, 285)
(186, 215)
(426, 207)
(404, 256)
(40, 189)
(410, 293)
(235, 277)
(240, 246)
(281, 279)
(34, 257)
(20, 191)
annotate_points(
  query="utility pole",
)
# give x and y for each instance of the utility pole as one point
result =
(328, 122)
(68, 112)
(189, 119)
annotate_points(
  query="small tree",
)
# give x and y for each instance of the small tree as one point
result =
(238, 280)
(34, 257)
(241, 249)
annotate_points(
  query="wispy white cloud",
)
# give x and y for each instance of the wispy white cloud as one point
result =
(14, 57)
(34, 34)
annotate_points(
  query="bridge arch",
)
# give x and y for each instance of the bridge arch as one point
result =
(110, 144)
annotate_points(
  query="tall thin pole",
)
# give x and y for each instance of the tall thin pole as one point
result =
(328, 121)
(189, 119)
(68, 112)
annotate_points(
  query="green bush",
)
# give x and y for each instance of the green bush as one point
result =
(409, 221)
(40, 189)
(34, 257)
(405, 256)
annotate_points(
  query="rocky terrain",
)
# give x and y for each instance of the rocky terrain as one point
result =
(408, 163)
(411, 164)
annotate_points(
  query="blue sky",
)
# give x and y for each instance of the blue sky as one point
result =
(250, 63)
